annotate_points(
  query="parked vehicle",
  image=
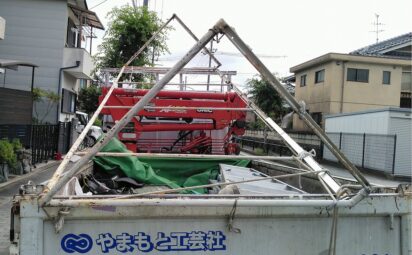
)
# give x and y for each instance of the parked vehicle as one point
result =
(93, 134)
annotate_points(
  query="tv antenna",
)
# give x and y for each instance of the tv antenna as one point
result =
(377, 25)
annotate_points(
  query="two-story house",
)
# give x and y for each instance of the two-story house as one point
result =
(55, 35)
(373, 77)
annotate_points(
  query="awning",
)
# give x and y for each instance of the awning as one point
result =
(89, 18)
(13, 64)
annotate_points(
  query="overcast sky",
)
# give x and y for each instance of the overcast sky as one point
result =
(297, 29)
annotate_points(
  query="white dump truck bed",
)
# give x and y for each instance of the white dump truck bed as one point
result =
(379, 224)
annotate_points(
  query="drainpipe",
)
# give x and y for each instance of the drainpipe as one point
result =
(60, 87)
(342, 86)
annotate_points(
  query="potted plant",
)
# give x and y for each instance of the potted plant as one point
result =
(7, 159)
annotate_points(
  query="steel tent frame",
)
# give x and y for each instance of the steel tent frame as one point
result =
(221, 27)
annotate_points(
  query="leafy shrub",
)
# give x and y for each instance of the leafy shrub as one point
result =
(7, 154)
(16, 144)
(98, 123)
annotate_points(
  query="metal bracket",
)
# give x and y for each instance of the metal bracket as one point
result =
(31, 189)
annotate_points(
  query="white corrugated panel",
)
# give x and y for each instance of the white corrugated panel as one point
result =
(370, 123)
(402, 127)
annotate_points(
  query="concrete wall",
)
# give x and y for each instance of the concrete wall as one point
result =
(36, 32)
(336, 94)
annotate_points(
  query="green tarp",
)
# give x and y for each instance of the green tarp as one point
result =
(175, 173)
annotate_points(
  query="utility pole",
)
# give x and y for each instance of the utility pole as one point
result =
(210, 64)
(134, 4)
(377, 25)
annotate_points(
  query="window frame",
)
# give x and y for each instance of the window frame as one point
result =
(304, 78)
(69, 108)
(316, 76)
(356, 75)
(389, 78)
(82, 84)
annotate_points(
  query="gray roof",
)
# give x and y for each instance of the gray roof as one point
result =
(383, 48)
(389, 109)
(9, 63)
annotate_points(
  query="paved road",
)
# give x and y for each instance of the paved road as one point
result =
(6, 196)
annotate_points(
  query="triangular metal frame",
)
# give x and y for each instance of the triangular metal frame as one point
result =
(221, 27)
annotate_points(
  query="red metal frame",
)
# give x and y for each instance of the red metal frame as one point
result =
(157, 120)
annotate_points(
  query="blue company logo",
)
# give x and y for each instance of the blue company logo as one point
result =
(77, 243)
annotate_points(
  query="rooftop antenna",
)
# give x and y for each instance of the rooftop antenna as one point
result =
(377, 25)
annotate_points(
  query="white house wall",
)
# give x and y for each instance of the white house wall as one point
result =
(371, 123)
(35, 33)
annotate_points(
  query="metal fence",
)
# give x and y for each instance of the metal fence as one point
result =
(372, 151)
(21, 132)
(267, 147)
(64, 137)
(43, 140)
(300, 137)
(270, 141)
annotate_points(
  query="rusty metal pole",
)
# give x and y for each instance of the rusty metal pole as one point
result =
(254, 60)
(131, 113)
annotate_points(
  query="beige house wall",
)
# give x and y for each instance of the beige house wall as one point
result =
(326, 97)
(359, 96)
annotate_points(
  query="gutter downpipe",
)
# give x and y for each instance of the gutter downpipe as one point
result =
(342, 88)
(60, 87)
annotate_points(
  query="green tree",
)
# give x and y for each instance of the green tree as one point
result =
(127, 31)
(43, 96)
(88, 99)
(265, 96)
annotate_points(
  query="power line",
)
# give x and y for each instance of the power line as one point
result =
(102, 2)
(235, 54)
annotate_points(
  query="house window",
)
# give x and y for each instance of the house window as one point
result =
(359, 75)
(303, 80)
(406, 83)
(68, 101)
(82, 83)
(386, 77)
(71, 38)
(320, 76)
